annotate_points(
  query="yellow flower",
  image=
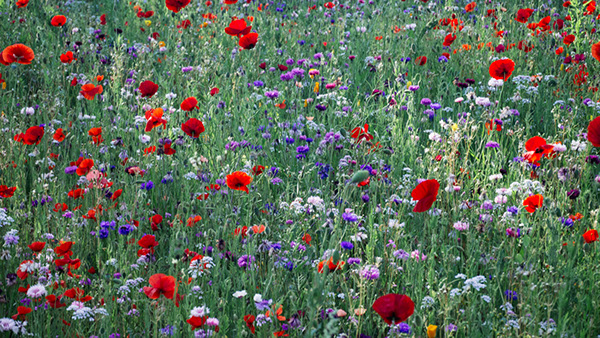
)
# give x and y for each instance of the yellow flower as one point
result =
(316, 90)
(305, 103)
(148, 22)
(431, 329)
(455, 127)
(408, 84)
(161, 44)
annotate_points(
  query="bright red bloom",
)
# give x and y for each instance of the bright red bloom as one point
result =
(7, 192)
(59, 135)
(67, 57)
(89, 91)
(470, 7)
(21, 312)
(148, 243)
(426, 193)
(502, 69)
(33, 135)
(37, 246)
(258, 169)
(96, 134)
(176, 5)
(593, 134)
(394, 308)
(361, 134)
(161, 284)
(596, 51)
(54, 302)
(523, 15)
(18, 53)
(238, 181)
(22, 3)
(155, 119)
(78, 295)
(449, 39)
(148, 88)
(193, 127)
(193, 220)
(58, 20)
(249, 319)
(568, 40)
(531, 203)
(421, 60)
(248, 41)
(330, 265)
(64, 249)
(103, 19)
(214, 91)
(197, 322)
(85, 166)
(238, 28)
(590, 236)
(536, 149)
(189, 104)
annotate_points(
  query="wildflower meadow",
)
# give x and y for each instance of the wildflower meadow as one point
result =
(299, 168)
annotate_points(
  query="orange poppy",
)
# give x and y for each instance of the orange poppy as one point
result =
(58, 20)
(89, 91)
(154, 117)
(67, 57)
(532, 203)
(18, 53)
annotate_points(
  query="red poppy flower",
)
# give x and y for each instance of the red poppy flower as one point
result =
(502, 69)
(148, 88)
(21, 312)
(54, 302)
(426, 193)
(230, 2)
(197, 322)
(161, 284)
(596, 51)
(6, 192)
(189, 104)
(193, 127)
(103, 19)
(536, 149)
(214, 91)
(155, 119)
(76, 193)
(249, 319)
(167, 150)
(590, 236)
(22, 3)
(330, 265)
(394, 308)
(238, 181)
(193, 220)
(18, 53)
(37, 246)
(78, 295)
(176, 5)
(148, 243)
(593, 134)
(258, 169)
(449, 39)
(89, 91)
(421, 60)
(33, 135)
(58, 20)
(568, 40)
(531, 203)
(523, 15)
(3, 62)
(96, 134)
(361, 134)
(238, 28)
(329, 5)
(85, 166)
(59, 135)
(248, 41)
(64, 249)
(67, 57)
(470, 7)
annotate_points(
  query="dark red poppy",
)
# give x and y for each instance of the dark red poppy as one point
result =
(37, 246)
(193, 127)
(230, 2)
(394, 308)
(239, 180)
(58, 20)
(67, 57)
(426, 193)
(421, 60)
(32, 136)
(148, 88)
(249, 319)
(176, 5)
(593, 134)
(161, 284)
(89, 91)
(258, 169)
(248, 41)
(448, 40)
(64, 249)
(523, 15)
(568, 40)
(7, 192)
(590, 236)
(103, 19)
(502, 69)
(531, 203)
(238, 27)
(18, 53)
